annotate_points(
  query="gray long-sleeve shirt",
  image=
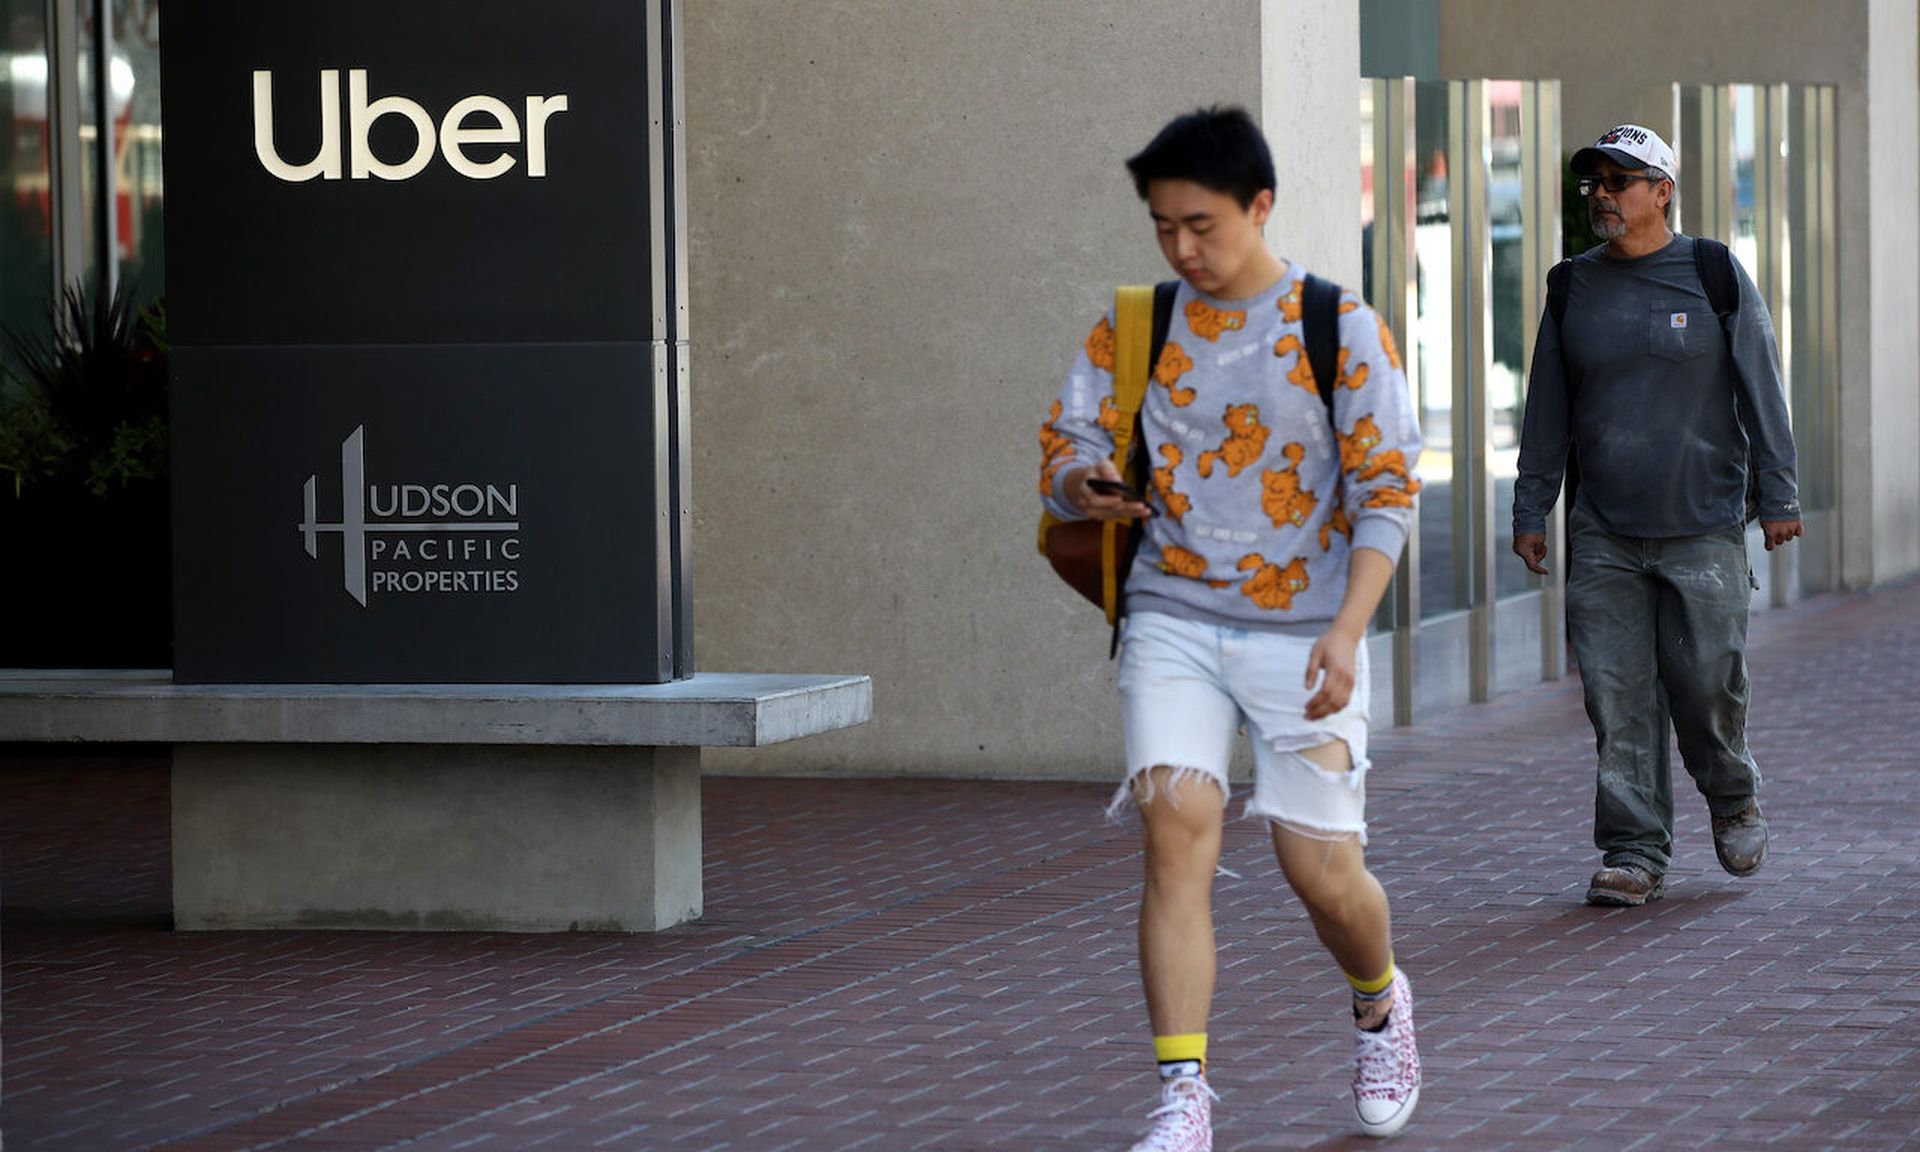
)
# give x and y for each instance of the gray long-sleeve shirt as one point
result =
(1664, 406)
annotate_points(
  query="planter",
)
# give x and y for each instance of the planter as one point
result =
(86, 582)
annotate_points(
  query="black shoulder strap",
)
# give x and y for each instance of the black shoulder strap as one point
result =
(1558, 278)
(1320, 317)
(1163, 294)
(1715, 266)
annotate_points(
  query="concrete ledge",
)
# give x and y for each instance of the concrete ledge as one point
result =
(483, 807)
(713, 710)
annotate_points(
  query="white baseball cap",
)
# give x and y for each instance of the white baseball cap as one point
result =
(1630, 146)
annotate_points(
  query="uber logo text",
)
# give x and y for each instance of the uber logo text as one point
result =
(498, 126)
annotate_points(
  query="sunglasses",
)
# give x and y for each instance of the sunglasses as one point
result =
(1615, 182)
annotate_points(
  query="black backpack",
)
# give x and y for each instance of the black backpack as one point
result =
(1320, 320)
(1713, 263)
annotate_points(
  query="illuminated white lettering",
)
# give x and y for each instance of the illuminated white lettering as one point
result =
(326, 162)
(360, 118)
(476, 121)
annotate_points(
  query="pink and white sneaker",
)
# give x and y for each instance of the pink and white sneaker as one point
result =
(1386, 1068)
(1184, 1120)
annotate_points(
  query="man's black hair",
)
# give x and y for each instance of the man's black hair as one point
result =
(1219, 148)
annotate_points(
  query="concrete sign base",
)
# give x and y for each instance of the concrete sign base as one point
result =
(435, 837)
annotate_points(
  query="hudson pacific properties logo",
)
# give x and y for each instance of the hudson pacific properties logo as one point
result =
(433, 539)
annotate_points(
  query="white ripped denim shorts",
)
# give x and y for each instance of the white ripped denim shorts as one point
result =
(1186, 691)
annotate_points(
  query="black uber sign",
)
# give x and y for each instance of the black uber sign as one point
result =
(423, 427)
(372, 232)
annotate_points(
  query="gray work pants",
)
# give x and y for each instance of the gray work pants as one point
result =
(1659, 627)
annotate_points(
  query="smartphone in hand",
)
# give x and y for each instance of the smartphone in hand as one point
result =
(1114, 488)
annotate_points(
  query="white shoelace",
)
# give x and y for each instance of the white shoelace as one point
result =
(1378, 1065)
(1175, 1121)
(1376, 1058)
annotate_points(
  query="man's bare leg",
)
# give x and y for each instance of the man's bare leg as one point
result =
(1180, 825)
(1347, 905)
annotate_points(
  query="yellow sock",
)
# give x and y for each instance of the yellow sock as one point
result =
(1181, 1055)
(1368, 994)
(1374, 987)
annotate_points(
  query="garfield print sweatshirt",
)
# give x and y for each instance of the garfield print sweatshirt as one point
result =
(1259, 497)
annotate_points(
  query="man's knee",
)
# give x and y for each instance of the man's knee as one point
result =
(1180, 817)
(1325, 871)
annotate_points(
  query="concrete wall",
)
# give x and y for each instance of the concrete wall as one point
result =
(1695, 42)
(1893, 144)
(905, 216)
(1310, 107)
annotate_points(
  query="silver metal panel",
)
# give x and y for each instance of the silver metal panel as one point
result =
(657, 163)
(1810, 333)
(1818, 552)
(70, 260)
(1704, 192)
(1472, 325)
(680, 503)
(1445, 652)
(674, 58)
(680, 401)
(1394, 287)
(1381, 672)
(1770, 210)
(1540, 176)
(665, 449)
(106, 217)
(1519, 622)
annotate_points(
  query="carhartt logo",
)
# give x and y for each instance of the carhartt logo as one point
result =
(493, 124)
(1677, 320)
(426, 544)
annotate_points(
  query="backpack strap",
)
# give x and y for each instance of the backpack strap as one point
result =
(1714, 264)
(1133, 324)
(1138, 312)
(1320, 319)
(1559, 277)
(1132, 345)
(1163, 294)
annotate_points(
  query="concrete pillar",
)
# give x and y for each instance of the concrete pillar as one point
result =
(457, 838)
(1889, 293)
(1310, 109)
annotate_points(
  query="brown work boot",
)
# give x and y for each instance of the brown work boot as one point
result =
(1625, 886)
(1740, 840)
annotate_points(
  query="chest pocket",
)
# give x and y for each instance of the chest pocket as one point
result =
(1681, 329)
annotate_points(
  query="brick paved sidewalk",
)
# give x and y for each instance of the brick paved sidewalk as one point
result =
(939, 965)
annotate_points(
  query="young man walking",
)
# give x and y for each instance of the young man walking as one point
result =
(1672, 405)
(1270, 531)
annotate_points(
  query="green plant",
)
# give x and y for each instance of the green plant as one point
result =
(31, 446)
(84, 398)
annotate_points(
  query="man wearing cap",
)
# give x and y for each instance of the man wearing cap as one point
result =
(1673, 411)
